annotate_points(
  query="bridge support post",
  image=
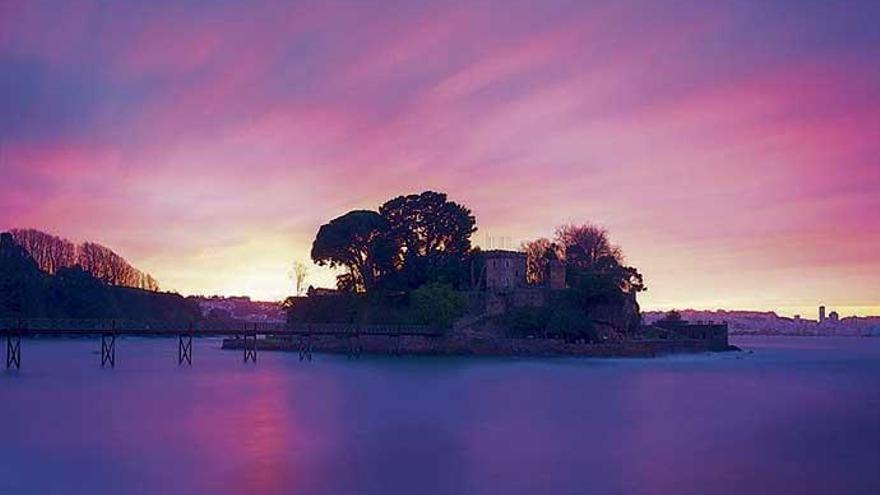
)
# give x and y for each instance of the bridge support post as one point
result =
(108, 350)
(354, 346)
(397, 341)
(250, 348)
(13, 351)
(184, 350)
(305, 347)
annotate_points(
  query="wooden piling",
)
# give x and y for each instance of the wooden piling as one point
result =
(184, 349)
(108, 350)
(250, 348)
(13, 350)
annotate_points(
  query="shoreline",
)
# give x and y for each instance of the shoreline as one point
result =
(468, 346)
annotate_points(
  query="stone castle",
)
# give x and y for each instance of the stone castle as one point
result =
(503, 283)
(506, 270)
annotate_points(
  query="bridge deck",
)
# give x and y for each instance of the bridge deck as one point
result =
(26, 328)
(14, 330)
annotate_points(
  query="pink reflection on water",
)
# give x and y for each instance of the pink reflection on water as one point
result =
(253, 435)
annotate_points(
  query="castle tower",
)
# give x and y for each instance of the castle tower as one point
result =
(505, 269)
(555, 275)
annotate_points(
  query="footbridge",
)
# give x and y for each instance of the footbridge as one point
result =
(249, 334)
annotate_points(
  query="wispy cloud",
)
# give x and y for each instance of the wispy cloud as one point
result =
(729, 147)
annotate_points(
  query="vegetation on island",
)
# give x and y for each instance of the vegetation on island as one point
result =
(601, 288)
(412, 261)
(401, 264)
(411, 241)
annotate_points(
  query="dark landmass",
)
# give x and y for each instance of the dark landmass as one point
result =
(411, 263)
(71, 292)
(52, 253)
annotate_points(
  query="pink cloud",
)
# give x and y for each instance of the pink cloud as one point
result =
(225, 125)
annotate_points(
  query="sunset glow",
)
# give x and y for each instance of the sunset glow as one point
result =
(731, 148)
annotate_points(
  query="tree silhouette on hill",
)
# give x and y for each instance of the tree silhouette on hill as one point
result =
(26, 291)
(53, 253)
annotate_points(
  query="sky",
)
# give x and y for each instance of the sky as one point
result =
(731, 148)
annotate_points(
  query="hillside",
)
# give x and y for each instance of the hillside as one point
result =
(52, 253)
(28, 292)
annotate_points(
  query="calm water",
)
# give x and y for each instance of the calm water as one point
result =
(798, 415)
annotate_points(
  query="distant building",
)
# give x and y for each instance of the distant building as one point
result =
(821, 314)
(505, 269)
(833, 317)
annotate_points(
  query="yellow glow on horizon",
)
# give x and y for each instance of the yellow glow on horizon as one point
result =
(259, 269)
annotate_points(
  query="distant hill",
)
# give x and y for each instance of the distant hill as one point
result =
(769, 323)
(53, 253)
(26, 291)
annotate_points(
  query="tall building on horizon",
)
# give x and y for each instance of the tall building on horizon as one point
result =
(821, 314)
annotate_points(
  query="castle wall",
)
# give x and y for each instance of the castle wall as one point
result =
(505, 271)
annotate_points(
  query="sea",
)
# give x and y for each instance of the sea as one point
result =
(787, 415)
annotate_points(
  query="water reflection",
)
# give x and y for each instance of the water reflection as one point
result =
(793, 417)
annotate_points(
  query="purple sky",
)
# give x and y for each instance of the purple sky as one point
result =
(731, 148)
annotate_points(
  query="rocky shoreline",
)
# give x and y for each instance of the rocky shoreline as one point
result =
(454, 345)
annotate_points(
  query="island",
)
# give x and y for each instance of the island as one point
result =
(412, 282)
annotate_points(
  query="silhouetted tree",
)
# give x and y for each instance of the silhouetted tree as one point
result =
(429, 237)
(593, 264)
(627, 278)
(107, 265)
(586, 244)
(352, 241)
(49, 252)
(26, 291)
(539, 253)
(52, 253)
(22, 284)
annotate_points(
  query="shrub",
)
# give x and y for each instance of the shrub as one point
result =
(436, 304)
(526, 322)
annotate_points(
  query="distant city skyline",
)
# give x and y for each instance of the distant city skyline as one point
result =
(731, 149)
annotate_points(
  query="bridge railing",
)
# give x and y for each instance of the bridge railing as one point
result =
(364, 329)
(37, 325)
(80, 325)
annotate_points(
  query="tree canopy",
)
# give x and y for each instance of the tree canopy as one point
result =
(411, 241)
(539, 253)
(352, 241)
(584, 245)
(594, 265)
(53, 253)
(430, 237)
